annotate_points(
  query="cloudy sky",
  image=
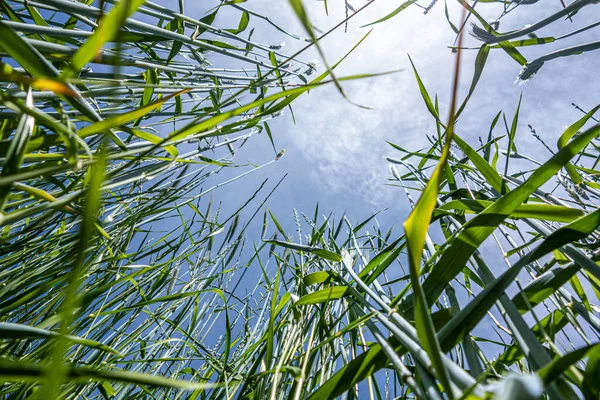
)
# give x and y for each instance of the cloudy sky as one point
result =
(335, 152)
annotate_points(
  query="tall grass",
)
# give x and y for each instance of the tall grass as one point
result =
(122, 278)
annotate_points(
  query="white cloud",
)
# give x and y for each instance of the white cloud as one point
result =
(342, 148)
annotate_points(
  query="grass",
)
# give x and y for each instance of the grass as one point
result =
(122, 277)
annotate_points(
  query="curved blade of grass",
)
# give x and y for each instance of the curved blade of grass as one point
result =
(357, 370)
(381, 262)
(121, 119)
(323, 295)
(326, 254)
(39, 67)
(491, 175)
(19, 331)
(22, 371)
(158, 300)
(87, 231)
(397, 11)
(300, 12)
(107, 30)
(546, 212)
(480, 61)
(552, 371)
(544, 286)
(316, 277)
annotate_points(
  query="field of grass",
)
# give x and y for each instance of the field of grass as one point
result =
(122, 277)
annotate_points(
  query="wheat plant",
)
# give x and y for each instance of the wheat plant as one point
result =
(121, 277)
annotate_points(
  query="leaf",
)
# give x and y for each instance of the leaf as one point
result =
(147, 136)
(24, 371)
(176, 25)
(513, 52)
(38, 66)
(162, 299)
(546, 212)
(559, 365)
(424, 93)
(544, 286)
(293, 96)
(357, 370)
(380, 262)
(416, 230)
(397, 11)
(480, 61)
(567, 135)
(323, 295)
(316, 277)
(592, 371)
(490, 174)
(300, 12)
(19, 331)
(121, 119)
(326, 254)
(271, 329)
(17, 148)
(25, 54)
(7, 74)
(107, 30)
(242, 25)
(551, 325)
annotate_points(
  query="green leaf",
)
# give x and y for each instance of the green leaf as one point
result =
(107, 30)
(39, 67)
(121, 119)
(567, 135)
(271, 328)
(397, 11)
(326, 254)
(491, 175)
(316, 277)
(162, 299)
(559, 365)
(544, 286)
(323, 295)
(23, 371)
(19, 331)
(24, 53)
(480, 61)
(546, 212)
(357, 370)
(551, 324)
(424, 93)
(17, 148)
(381, 262)
(513, 52)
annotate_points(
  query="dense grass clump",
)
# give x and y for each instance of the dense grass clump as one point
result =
(121, 277)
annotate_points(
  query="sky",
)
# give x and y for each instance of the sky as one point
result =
(336, 151)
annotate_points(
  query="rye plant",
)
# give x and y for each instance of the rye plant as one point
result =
(122, 277)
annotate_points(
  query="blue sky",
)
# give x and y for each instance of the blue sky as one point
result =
(335, 152)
